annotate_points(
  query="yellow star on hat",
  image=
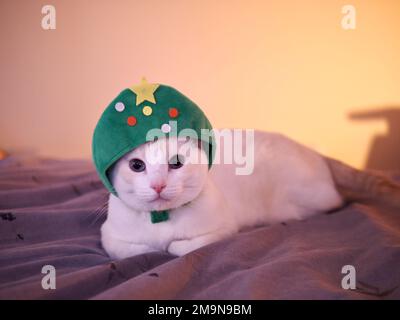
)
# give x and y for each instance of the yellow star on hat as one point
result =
(144, 91)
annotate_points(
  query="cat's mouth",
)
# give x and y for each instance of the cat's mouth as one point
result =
(160, 203)
(159, 198)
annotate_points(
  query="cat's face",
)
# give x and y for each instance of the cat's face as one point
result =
(161, 175)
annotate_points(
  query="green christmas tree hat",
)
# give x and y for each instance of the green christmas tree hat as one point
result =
(126, 121)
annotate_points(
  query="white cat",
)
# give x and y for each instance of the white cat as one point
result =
(290, 181)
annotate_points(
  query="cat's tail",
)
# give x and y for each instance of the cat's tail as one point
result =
(364, 186)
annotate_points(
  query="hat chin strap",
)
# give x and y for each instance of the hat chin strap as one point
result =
(163, 215)
(159, 216)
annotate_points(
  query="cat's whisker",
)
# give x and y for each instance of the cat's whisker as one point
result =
(99, 213)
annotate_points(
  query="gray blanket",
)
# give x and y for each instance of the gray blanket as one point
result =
(51, 212)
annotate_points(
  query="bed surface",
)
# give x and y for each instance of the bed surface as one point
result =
(49, 216)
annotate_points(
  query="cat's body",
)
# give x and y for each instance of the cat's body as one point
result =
(290, 181)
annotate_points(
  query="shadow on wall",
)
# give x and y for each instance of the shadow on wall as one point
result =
(384, 152)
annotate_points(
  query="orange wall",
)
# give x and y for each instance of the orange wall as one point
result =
(285, 66)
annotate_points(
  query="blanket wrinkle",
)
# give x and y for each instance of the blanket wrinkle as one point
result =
(51, 212)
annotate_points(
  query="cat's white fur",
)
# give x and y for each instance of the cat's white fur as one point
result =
(290, 181)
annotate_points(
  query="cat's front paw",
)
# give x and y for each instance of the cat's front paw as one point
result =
(120, 249)
(180, 247)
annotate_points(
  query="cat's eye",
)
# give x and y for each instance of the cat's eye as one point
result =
(176, 161)
(137, 165)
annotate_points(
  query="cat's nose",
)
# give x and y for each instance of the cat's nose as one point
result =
(158, 187)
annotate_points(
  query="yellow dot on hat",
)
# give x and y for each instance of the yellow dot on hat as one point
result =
(166, 128)
(119, 106)
(147, 110)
